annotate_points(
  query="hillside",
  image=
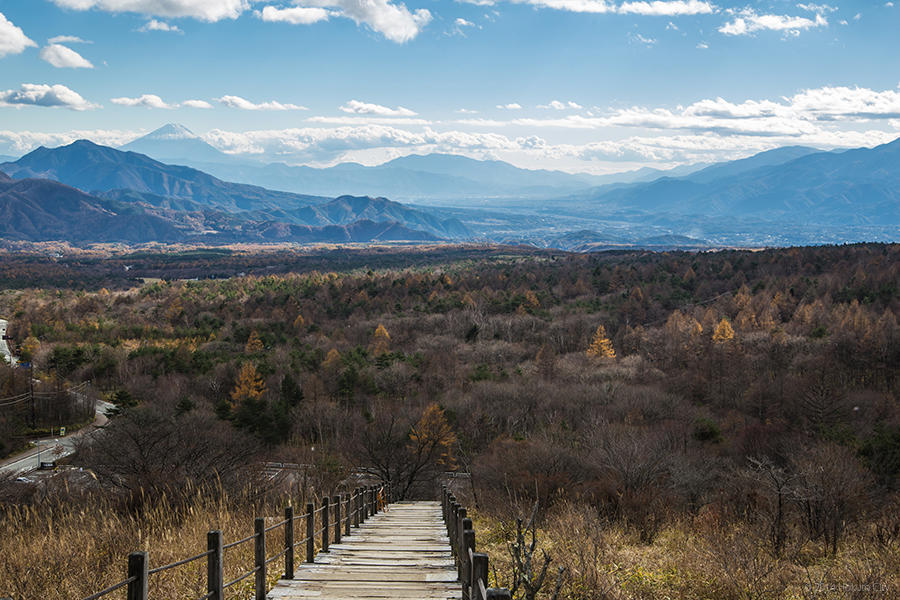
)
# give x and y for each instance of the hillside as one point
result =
(855, 186)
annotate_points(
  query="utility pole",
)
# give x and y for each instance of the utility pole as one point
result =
(31, 391)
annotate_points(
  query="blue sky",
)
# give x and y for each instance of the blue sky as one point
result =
(580, 85)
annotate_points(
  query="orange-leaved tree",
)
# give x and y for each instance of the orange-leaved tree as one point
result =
(249, 385)
(381, 341)
(724, 332)
(254, 343)
(600, 346)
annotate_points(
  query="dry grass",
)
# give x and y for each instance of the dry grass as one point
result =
(699, 560)
(54, 551)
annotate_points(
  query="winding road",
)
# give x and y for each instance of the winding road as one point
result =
(4, 347)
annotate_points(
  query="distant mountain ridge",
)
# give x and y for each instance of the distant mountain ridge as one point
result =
(853, 186)
(192, 201)
(45, 210)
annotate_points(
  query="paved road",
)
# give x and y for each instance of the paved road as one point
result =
(4, 347)
(54, 448)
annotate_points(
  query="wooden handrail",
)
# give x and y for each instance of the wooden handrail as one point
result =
(472, 566)
(363, 500)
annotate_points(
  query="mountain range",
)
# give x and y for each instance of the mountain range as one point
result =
(410, 178)
(68, 192)
(859, 186)
(793, 195)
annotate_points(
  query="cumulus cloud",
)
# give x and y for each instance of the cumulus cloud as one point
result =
(145, 101)
(803, 114)
(364, 108)
(63, 57)
(747, 21)
(155, 25)
(204, 10)
(510, 106)
(670, 8)
(394, 21)
(243, 104)
(296, 15)
(12, 39)
(659, 8)
(196, 104)
(154, 101)
(558, 105)
(67, 39)
(51, 96)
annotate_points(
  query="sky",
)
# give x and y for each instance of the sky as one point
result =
(595, 86)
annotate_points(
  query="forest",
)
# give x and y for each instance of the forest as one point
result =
(714, 425)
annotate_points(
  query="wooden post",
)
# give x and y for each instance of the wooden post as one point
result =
(373, 494)
(289, 542)
(214, 566)
(325, 524)
(461, 555)
(337, 519)
(454, 511)
(310, 533)
(137, 568)
(259, 555)
(354, 500)
(466, 571)
(347, 510)
(479, 572)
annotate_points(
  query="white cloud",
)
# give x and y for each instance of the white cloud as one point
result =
(364, 108)
(297, 15)
(817, 8)
(664, 8)
(205, 10)
(394, 21)
(637, 38)
(243, 104)
(12, 39)
(63, 57)
(145, 101)
(368, 120)
(155, 25)
(196, 104)
(465, 111)
(702, 46)
(51, 96)
(667, 8)
(67, 39)
(510, 106)
(154, 101)
(558, 105)
(749, 21)
(460, 25)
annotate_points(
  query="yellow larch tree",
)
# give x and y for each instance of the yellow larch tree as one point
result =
(249, 385)
(254, 343)
(332, 360)
(723, 333)
(600, 346)
(299, 322)
(432, 439)
(381, 341)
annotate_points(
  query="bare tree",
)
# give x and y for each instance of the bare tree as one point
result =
(527, 576)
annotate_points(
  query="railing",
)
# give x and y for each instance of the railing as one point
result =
(472, 566)
(348, 512)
